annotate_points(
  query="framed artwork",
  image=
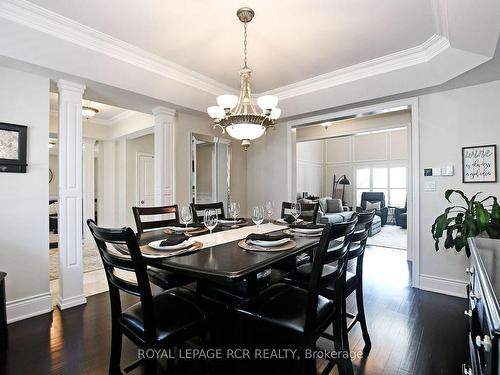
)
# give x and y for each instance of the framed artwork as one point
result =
(13, 140)
(479, 164)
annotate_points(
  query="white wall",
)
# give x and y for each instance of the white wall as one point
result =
(24, 100)
(448, 121)
(269, 172)
(310, 167)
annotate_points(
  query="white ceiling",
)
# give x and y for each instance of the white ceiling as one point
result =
(314, 54)
(107, 115)
(289, 40)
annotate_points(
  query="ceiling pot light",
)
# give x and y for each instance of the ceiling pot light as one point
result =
(238, 115)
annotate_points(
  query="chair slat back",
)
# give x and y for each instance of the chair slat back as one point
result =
(120, 250)
(140, 212)
(340, 236)
(199, 208)
(309, 211)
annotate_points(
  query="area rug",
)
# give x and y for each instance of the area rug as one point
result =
(91, 260)
(390, 236)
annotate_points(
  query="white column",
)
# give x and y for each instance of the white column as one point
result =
(106, 213)
(70, 195)
(164, 122)
(88, 151)
(121, 182)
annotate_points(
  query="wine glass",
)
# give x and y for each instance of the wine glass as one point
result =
(269, 209)
(234, 211)
(295, 211)
(186, 215)
(257, 215)
(210, 219)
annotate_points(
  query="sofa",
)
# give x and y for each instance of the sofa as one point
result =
(338, 215)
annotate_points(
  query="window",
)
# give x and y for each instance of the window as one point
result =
(389, 180)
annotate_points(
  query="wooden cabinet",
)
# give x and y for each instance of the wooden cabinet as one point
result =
(483, 314)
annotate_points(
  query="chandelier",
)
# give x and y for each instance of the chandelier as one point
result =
(88, 111)
(238, 115)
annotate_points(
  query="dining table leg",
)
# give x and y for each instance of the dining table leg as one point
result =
(251, 285)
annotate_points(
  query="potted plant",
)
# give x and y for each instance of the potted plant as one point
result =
(460, 222)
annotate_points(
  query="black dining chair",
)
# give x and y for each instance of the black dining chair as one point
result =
(155, 213)
(161, 321)
(300, 315)
(354, 281)
(309, 211)
(199, 208)
(163, 279)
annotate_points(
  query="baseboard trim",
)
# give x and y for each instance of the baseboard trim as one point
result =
(443, 285)
(67, 303)
(28, 307)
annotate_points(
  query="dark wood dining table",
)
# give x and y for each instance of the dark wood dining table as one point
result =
(227, 261)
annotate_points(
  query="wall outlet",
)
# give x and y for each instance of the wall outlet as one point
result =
(430, 186)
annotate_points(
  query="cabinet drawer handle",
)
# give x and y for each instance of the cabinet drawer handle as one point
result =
(468, 313)
(485, 342)
(476, 296)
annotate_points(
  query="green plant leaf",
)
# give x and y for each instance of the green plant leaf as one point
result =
(482, 216)
(449, 242)
(449, 192)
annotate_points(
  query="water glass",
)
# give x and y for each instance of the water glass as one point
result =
(234, 211)
(295, 211)
(269, 210)
(210, 219)
(258, 215)
(186, 215)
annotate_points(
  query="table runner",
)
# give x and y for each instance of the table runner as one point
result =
(236, 234)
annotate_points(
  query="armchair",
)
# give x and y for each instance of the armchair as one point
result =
(401, 216)
(373, 197)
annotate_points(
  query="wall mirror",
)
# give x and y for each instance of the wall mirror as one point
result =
(210, 169)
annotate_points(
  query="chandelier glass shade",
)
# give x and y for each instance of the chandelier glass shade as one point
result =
(238, 115)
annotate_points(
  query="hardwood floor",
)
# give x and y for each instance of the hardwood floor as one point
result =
(412, 331)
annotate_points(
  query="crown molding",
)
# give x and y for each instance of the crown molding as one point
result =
(159, 111)
(51, 23)
(41, 19)
(422, 53)
(100, 121)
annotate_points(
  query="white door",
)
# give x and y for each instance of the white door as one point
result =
(145, 180)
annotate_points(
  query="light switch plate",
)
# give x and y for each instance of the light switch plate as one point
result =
(436, 171)
(447, 171)
(430, 186)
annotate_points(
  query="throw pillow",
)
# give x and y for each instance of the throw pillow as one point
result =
(334, 206)
(372, 206)
(322, 205)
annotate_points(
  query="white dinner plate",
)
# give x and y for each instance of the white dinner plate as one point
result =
(156, 245)
(181, 229)
(307, 231)
(270, 243)
(284, 222)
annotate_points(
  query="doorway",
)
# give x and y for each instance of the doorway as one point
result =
(413, 179)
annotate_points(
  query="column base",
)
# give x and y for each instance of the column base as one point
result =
(71, 302)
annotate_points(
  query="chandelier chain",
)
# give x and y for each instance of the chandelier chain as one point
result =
(245, 44)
